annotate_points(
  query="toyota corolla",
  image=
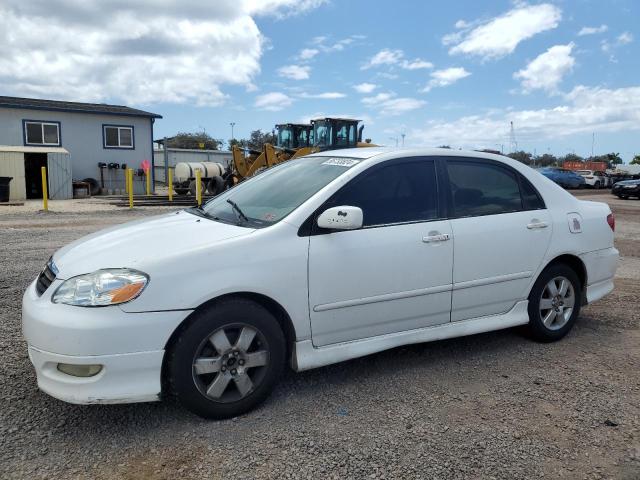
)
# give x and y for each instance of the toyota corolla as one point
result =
(317, 260)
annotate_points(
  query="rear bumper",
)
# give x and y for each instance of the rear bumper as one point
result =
(601, 268)
(125, 378)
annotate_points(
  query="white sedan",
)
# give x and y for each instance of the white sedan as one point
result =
(315, 261)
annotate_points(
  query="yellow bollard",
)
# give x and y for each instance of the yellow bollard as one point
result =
(199, 187)
(45, 194)
(130, 182)
(170, 183)
(148, 174)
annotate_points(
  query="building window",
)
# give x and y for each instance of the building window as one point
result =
(118, 136)
(41, 133)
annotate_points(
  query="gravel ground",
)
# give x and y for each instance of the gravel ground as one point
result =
(495, 405)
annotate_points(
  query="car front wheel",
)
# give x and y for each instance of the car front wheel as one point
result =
(554, 303)
(227, 360)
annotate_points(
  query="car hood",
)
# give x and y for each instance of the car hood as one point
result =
(142, 243)
(628, 182)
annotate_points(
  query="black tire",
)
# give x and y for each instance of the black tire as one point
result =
(538, 330)
(216, 185)
(192, 187)
(181, 191)
(225, 316)
(597, 186)
(94, 186)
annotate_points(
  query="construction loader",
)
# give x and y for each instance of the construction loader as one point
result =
(296, 140)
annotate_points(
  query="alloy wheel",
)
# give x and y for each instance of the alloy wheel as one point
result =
(230, 363)
(556, 303)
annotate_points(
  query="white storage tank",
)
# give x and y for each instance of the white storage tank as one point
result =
(187, 170)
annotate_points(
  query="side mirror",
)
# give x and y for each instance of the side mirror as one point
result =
(341, 218)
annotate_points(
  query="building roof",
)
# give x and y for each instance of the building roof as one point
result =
(61, 106)
(27, 149)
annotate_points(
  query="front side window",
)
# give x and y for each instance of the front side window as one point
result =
(396, 193)
(116, 136)
(41, 133)
(482, 189)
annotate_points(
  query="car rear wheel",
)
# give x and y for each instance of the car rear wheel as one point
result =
(554, 303)
(227, 360)
(597, 186)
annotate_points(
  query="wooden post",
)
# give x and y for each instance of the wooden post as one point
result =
(170, 183)
(45, 193)
(148, 174)
(199, 187)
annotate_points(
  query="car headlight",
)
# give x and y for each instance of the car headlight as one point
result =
(101, 288)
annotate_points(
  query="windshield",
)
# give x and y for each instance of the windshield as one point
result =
(322, 134)
(284, 137)
(270, 196)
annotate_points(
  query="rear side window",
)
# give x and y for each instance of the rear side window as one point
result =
(395, 193)
(483, 189)
(531, 200)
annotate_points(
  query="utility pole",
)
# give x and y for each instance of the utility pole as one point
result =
(403, 140)
(233, 124)
(513, 145)
(593, 141)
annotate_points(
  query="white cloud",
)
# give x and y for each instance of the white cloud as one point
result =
(280, 8)
(324, 44)
(295, 72)
(308, 53)
(608, 47)
(365, 87)
(584, 110)
(547, 70)
(445, 77)
(461, 24)
(501, 35)
(324, 95)
(624, 38)
(592, 30)
(388, 57)
(416, 64)
(389, 104)
(140, 53)
(384, 57)
(273, 101)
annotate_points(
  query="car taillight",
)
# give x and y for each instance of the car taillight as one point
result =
(611, 220)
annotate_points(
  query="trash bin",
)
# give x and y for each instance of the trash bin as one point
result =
(4, 188)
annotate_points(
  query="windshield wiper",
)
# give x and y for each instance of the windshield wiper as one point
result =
(238, 210)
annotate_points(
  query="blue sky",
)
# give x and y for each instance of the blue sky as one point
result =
(438, 72)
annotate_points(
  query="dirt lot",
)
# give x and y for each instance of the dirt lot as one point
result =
(495, 405)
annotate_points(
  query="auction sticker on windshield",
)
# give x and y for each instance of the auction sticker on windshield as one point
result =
(341, 162)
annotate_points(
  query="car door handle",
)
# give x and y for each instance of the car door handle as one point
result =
(536, 224)
(438, 237)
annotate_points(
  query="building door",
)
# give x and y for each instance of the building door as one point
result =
(33, 163)
(59, 173)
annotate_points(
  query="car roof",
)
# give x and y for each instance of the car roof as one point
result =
(370, 152)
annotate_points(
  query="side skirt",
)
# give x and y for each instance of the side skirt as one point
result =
(306, 356)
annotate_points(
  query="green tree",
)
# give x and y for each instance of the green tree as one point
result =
(197, 140)
(636, 160)
(546, 160)
(613, 159)
(256, 140)
(521, 156)
(571, 157)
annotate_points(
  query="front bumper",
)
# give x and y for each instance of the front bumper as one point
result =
(124, 378)
(129, 346)
(620, 190)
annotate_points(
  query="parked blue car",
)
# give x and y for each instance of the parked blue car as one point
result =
(564, 178)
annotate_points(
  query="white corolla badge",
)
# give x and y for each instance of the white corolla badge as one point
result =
(341, 162)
